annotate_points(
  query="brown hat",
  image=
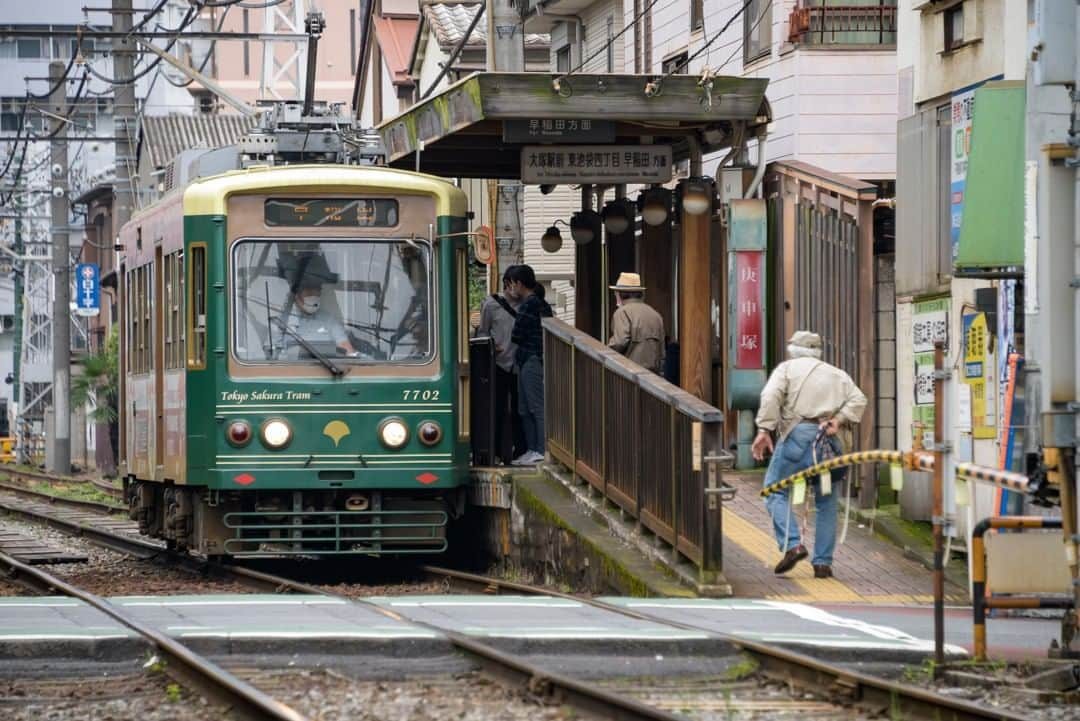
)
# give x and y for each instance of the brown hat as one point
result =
(629, 282)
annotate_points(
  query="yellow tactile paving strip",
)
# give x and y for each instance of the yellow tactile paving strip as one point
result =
(761, 546)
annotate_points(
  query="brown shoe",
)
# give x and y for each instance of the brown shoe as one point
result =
(793, 556)
(821, 571)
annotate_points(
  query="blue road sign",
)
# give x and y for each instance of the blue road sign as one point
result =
(87, 289)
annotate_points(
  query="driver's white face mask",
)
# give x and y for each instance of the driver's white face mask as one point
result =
(310, 304)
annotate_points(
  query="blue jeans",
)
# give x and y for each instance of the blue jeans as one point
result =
(792, 455)
(531, 402)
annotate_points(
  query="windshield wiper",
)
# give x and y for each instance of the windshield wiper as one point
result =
(334, 368)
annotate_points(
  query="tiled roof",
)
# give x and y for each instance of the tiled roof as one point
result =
(395, 36)
(164, 136)
(449, 21)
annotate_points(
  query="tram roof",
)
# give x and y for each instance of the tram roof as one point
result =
(462, 129)
(209, 196)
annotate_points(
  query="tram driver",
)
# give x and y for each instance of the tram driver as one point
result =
(313, 320)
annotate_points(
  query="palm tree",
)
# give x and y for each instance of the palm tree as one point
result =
(99, 385)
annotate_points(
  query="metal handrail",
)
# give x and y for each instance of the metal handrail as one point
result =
(602, 406)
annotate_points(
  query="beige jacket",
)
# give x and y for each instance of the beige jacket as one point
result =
(807, 389)
(637, 331)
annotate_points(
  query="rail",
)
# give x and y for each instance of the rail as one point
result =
(182, 663)
(843, 25)
(648, 446)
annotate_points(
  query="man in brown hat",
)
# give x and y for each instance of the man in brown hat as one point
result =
(637, 331)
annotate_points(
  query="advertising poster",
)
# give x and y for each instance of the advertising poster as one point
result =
(930, 323)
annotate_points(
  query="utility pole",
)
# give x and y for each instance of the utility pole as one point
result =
(123, 112)
(506, 54)
(21, 444)
(61, 262)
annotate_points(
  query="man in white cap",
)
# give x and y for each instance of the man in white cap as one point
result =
(804, 403)
(637, 331)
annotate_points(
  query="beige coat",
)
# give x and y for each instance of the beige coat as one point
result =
(637, 331)
(807, 389)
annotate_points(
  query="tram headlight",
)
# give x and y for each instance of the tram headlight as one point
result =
(238, 433)
(276, 433)
(393, 433)
(430, 433)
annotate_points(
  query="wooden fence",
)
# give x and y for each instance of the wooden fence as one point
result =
(648, 446)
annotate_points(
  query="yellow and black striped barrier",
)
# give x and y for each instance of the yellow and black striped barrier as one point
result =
(908, 459)
(1005, 479)
(916, 461)
(979, 601)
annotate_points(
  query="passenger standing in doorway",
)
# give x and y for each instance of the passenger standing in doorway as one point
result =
(497, 315)
(637, 330)
(805, 403)
(528, 334)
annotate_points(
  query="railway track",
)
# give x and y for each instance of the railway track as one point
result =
(839, 686)
(98, 484)
(182, 664)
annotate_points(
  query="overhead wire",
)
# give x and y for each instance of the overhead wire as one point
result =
(689, 58)
(206, 59)
(189, 18)
(603, 48)
(739, 46)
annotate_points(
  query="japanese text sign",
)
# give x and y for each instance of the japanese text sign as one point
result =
(87, 289)
(569, 130)
(749, 315)
(565, 164)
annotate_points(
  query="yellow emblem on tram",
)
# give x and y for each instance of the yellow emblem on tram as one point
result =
(336, 430)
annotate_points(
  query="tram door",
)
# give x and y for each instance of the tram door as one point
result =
(159, 361)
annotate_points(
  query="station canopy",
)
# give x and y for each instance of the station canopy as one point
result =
(482, 126)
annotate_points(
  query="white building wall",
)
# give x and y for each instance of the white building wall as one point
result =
(832, 107)
(595, 21)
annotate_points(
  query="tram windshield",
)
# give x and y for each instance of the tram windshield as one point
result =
(350, 301)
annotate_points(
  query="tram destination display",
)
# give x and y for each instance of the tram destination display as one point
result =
(331, 212)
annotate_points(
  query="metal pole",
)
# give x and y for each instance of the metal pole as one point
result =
(506, 54)
(61, 262)
(939, 507)
(123, 113)
(16, 360)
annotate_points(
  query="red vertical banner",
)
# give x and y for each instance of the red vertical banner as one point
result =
(749, 311)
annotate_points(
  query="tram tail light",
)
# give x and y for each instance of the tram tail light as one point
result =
(238, 433)
(430, 433)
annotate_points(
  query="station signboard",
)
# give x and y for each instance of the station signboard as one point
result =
(555, 130)
(602, 164)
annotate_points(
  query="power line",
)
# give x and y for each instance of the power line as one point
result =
(682, 64)
(608, 44)
(753, 27)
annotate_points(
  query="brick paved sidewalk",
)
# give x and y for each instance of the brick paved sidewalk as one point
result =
(867, 569)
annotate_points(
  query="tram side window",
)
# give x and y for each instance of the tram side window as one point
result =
(197, 308)
(174, 322)
(140, 357)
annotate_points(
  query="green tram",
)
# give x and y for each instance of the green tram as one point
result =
(293, 353)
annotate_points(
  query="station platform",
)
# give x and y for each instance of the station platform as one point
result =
(867, 569)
